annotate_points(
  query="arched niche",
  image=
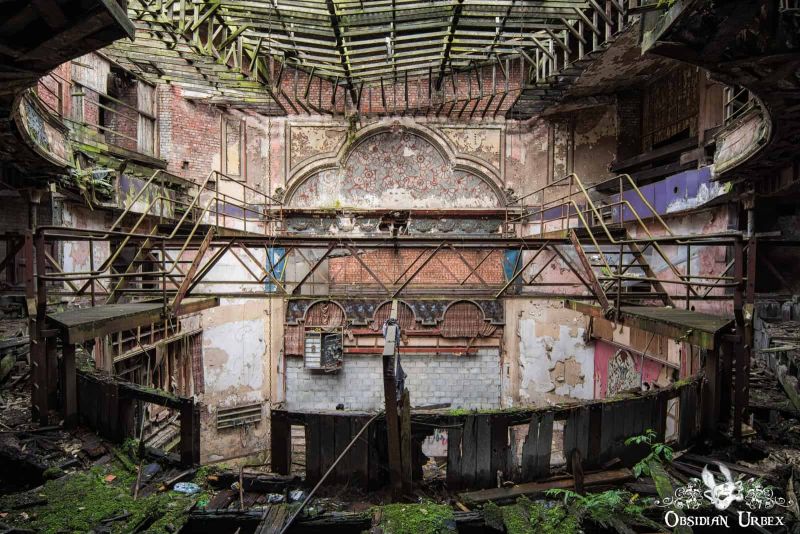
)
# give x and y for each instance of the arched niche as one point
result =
(325, 314)
(405, 316)
(398, 169)
(465, 319)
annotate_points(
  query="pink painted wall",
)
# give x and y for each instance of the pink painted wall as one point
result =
(603, 357)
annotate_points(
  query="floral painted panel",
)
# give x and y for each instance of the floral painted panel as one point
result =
(395, 170)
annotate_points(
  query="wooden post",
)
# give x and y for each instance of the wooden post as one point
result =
(405, 441)
(390, 400)
(280, 437)
(190, 433)
(38, 341)
(738, 312)
(711, 389)
(51, 355)
(69, 385)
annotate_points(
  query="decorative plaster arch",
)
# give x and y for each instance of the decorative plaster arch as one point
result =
(399, 301)
(459, 301)
(320, 301)
(459, 168)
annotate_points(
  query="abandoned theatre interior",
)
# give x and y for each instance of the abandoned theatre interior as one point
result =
(399, 266)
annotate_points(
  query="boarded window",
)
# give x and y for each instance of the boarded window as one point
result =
(233, 148)
(146, 131)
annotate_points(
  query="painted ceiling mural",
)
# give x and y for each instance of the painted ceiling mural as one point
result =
(395, 170)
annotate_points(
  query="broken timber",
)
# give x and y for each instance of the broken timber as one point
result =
(538, 488)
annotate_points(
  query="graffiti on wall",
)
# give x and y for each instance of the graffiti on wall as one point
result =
(44, 135)
(622, 373)
(397, 169)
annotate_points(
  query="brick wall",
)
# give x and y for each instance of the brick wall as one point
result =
(445, 268)
(124, 124)
(461, 96)
(57, 82)
(463, 381)
(188, 132)
(629, 124)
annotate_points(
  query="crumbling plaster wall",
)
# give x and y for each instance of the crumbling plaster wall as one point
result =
(242, 340)
(76, 255)
(546, 357)
(595, 142)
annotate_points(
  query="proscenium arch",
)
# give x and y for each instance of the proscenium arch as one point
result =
(461, 182)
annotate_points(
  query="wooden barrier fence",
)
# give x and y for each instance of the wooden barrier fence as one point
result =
(481, 445)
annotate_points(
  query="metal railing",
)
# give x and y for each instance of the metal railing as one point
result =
(737, 101)
(208, 208)
(579, 208)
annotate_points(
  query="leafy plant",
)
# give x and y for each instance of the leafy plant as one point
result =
(659, 452)
(609, 509)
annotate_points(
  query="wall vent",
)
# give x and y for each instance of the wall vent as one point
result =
(247, 414)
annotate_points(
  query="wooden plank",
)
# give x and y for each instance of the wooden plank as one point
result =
(360, 453)
(327, 442)
(190, 433)
(576, 432)
(454, 479)
(88, 323)
(483, 452)
(537, 448)
(405, 442)
(607, 431)
(688, 415)
(313, 465)
(602, 478)
(660, 416)
(500, 447)
(69, 385)
(342, 437)
(544, 449)
(280, 437)
(529, 448)
(377, 452)
(469, 451)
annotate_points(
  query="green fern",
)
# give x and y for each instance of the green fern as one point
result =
(659, 452)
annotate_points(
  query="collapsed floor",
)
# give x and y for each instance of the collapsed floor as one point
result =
(73, 481)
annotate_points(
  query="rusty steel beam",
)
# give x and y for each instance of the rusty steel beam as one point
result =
(183, 290)
(302, 281)
(366, 267)
(416, 272)
(204, 270)
(587, 266)
(519, 272)
(473, 271)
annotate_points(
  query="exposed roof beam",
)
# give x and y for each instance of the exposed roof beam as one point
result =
(449, 42)
(342, 51)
